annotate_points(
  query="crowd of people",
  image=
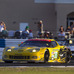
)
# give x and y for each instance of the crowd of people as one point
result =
(69, 31)
(27, 34)
(3, 31)
(15, 34)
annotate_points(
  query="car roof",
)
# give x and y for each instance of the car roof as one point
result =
(42, 39)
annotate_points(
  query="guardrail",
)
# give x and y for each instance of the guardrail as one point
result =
(1, 51)
(13, 42)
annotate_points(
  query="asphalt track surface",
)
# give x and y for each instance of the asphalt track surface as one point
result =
(17, 64)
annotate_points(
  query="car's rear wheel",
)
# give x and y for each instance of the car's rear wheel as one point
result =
(8, 61)
(46, 56)
(67, 57)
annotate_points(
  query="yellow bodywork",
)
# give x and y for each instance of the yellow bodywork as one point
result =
(30, 54)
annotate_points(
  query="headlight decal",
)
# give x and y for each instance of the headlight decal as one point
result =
(8, 49)
(34, 50)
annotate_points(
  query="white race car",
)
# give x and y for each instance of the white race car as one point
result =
(70, 44)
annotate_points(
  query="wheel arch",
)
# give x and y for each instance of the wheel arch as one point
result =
(47, 50)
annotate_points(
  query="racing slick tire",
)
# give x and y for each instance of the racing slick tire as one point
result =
(68, 57)
(46, 56)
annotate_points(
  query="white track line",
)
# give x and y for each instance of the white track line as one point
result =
(40, 66)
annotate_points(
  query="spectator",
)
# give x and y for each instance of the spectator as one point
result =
(30, 34)
(2, 26)
(4, 33)
(11, 33)
(40, 35)
(40, 26)
(50, 35)
(25, 33)
(17, 34)
(46, 34)
(61, 35)
(61, 29)
(68, 32)
(72, 31)
(27, 28)
(68, 29)
(72, 26)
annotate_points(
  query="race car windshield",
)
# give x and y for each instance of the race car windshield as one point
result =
(36, 44)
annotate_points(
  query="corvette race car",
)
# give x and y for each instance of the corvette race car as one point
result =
(37, 50)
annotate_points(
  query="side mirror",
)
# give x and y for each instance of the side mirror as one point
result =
(20, 44)
(70, 41)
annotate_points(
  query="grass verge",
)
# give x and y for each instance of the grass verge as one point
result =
(36, 70)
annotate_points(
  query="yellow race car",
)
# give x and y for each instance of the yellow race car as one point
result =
(37, 50)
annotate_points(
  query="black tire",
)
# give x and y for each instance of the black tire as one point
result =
(8, 61)
(46, 56)
(68, 57)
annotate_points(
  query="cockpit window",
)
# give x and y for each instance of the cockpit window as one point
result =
(54, 44)
(36, 43)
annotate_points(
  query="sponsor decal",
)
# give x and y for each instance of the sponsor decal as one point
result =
(55, 49)
(54, 54)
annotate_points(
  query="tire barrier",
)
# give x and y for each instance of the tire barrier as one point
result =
(1, 51)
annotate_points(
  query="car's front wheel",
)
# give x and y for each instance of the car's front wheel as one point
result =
(46, 56)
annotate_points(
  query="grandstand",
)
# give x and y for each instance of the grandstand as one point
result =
(53, 13)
